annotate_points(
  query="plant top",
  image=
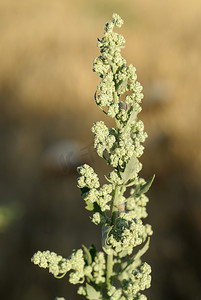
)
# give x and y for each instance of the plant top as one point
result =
(116, 272)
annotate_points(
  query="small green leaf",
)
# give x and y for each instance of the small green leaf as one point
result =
(123, 253)
(133, 117)
(130, 169)
(142, 251)
(145, 187)
(132, 182)
(136, 259)
(122, 85)
(92, 251)
(92, 294)
(87, 255)
(90, 206)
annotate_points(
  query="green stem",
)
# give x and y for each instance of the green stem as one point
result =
(114, 207)
(109, 270)
(116, 100)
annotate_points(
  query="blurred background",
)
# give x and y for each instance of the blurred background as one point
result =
(46, 113)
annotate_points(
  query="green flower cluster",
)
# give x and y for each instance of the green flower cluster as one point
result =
(59, 266)
(55, 263)
(104, 138)
(89, 178)
(93, 196)
(117, 273)
(76, 263)
(117, 78)
(127, 233)
(135, 281)
(136, 202)
(119, 95)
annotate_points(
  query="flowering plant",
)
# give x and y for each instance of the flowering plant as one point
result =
(117, 272)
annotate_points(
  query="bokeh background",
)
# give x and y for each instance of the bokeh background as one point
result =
(46, 112)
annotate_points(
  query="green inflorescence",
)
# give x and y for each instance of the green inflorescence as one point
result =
(117, 272)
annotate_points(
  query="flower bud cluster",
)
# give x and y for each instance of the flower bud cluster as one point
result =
(59, 266)
(136, 204)
(88, 177)
(93, 196)
(105, 90)
(135, 281)
(123, 151)
(121, 146)
(117, 78)
(100, 66)
(104, 138)
(114, 177)
(127, 234)
(101, 197)
(56, 264)
(98, 268)
(112, 43)
(95, 272)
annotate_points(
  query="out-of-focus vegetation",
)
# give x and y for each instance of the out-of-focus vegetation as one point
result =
(47, 108)
(8, 214)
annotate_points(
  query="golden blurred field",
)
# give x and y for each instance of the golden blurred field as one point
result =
(46, 104)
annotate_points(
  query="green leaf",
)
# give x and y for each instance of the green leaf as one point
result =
(132, 182)
(143, 250)
(145, 187)
(130, 169)
(92, 294)
(136, 259)
(133, 117)
(92, 251)
(122, 85)
(87, 255)
(90, 206)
